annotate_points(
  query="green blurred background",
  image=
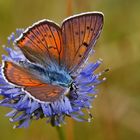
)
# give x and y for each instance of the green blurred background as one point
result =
(117, 108)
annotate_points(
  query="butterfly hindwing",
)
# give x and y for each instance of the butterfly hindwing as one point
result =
(79, 34)
(35, 87)
(46, 92)
(42, 43)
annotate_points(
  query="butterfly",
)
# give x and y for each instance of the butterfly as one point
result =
(54, 53)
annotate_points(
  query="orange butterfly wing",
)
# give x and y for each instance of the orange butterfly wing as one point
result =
(21, 77)
(46, 92)
(79, 34)
(42, 43)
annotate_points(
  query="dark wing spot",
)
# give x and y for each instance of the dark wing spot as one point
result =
(82, 32)
(80, 55)
(91, 29)
(85, 44)
(87, 27)
(76, 33)
(50, 36)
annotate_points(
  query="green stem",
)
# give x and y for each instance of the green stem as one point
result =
(61, 133)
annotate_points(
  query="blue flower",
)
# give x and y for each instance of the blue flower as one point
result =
(26, 108)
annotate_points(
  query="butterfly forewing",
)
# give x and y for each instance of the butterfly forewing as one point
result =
(42, 43)
(79, 34)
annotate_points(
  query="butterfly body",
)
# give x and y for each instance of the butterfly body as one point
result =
(54, 53)
(53, 75)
